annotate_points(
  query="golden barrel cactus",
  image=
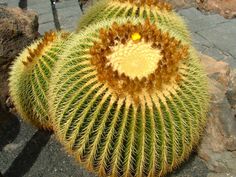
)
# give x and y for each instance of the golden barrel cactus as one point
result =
(128, 98)
(29, 77)
(154, 10)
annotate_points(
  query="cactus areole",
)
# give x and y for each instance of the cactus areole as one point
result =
(128, 99)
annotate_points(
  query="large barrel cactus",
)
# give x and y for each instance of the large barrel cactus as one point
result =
(154, 10)
(30, 75)
(128, 98)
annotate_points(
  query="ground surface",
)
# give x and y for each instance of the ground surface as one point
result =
(27, 152)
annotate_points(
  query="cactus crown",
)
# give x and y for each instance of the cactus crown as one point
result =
(132, 58)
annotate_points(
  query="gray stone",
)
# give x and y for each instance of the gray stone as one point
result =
(221, 175)
(227, 117)
(3, 3)
(191, 14)
(73, 11)
(69, 16)
(223, 35)
(212, 34)
(206, 23)
(12, 3)
(67, 4)
(43, 7)
(232, 52)
(46, 27)
(46, 18)
(198, 39)
(69, 23)
(215, 53)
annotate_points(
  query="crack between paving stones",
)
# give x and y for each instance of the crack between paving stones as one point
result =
(225, 53)
(43, 23)
(205, 38)
(214, 26)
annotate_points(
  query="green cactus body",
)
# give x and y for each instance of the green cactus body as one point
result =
(29, 77)
(153, 10)
(128, 99)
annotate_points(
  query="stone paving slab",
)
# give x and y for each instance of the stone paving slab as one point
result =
(212, 35)
(33, 153)
(223, 36)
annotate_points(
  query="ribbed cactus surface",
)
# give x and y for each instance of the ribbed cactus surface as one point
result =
(154, 10)
(128, 98)
(30, 75)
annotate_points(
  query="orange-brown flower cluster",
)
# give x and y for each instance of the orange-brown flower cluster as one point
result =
(48, 38)
(172, 51)
(160, 4)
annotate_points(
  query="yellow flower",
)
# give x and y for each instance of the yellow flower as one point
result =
(136, 36)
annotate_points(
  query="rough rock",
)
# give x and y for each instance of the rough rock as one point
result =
(231, 92)
(231, 96)
(226, 8)
(217, 70)
(182, 4)
(18, 29)
(218, 145)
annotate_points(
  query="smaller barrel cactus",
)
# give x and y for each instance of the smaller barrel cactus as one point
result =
(154, 10)
(128, 98)
(29, 77)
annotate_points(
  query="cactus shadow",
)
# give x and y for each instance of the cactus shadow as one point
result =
(27, 157)
(193, 167)
(9, 128)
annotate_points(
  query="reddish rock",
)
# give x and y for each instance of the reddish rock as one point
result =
(215, 132)
(231, 143)
(219, 140)
(231, 96)
(217, 70)
(226, 8)
(231, 92)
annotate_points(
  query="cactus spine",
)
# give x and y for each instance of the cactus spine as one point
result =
(29, 78)
(154, 10)
(129, 98)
